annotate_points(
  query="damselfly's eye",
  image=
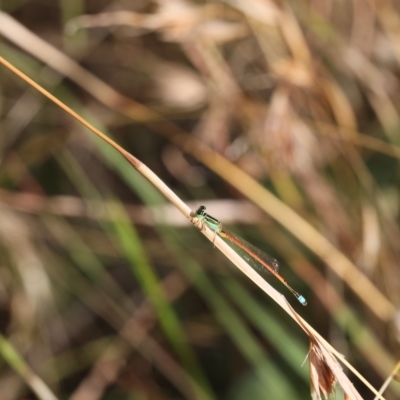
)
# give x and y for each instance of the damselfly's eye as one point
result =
(201, 210)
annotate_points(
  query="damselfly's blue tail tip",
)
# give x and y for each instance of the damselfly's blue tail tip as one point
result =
(302, 300)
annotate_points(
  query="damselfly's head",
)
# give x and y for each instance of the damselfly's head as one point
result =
(201, 211)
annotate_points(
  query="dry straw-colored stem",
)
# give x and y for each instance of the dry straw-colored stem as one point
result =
(390, 378)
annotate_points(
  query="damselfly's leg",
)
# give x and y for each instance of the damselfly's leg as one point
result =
(198, 222)
(216, 231)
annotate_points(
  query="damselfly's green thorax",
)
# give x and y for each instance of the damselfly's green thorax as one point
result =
(210, 221)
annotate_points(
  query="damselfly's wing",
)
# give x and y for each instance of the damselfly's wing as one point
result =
(255, 257)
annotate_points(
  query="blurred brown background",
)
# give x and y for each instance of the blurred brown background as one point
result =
(105, 290)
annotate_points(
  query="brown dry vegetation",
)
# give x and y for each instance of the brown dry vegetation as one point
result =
(105, 290)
